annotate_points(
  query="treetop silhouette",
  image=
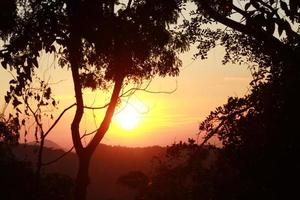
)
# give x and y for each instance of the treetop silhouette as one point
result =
(103, 43)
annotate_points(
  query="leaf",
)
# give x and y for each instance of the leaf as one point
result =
(247, 5)
(255, 5)
(35, 62)
(13, 81)
(47, 93)
(18, 110)
(7, 98)
(4, 64)
(284, 7)
(16, 102)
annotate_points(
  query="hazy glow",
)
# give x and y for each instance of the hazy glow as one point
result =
(128, 118)
(144, 119)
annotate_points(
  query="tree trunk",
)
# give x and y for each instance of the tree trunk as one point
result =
(38, 169)
(82, 179)
(39, 160)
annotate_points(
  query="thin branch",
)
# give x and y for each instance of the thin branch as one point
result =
(87, 134)
(128, 4)
(58, 158)
(59, 117)
(67, 152)
(34, 115)
(148, 91)
(96, 108)
(131, 91)
(213, 132)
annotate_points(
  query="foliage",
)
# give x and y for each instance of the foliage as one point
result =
(255, 144)
(103, 43)
(264, 32)
(187, 172)
(56, 186)
(139, 30)
(8, 12)
(134, 180)
(18, 178)
(9, 129)
(257, 132)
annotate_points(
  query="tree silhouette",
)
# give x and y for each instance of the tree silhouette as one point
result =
(186, 172)
(36, 98)
(102, 42)
(257, 132)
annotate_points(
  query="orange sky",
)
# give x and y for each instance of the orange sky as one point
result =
(162, 118)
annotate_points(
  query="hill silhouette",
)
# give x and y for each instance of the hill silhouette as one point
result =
(48, 143)
(108, 164)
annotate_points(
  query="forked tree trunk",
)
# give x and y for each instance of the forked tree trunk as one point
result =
(75, 58)
(85, 154)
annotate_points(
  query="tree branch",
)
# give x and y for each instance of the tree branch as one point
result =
(108, 116)
(58, 158)
(133, 90)
(215, 130)
(260, 34)
(128, 4)
(96, 108)
(67, 152)
(59, 117)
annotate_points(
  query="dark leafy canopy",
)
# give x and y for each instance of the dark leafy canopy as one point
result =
(111, 33)
(259, 28)
(258, 132)
(186, 172)
(103, 42)
(7, 17)
(38, 25)
(136, 38)
(265, 33)
(275, 52)
(9, 129)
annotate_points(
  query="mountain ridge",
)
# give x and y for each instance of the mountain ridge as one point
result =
(107, 165)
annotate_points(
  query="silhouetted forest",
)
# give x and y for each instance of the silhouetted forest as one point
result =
(109, 163)
(110, 44)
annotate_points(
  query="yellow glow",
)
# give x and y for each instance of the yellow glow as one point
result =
(128, 118)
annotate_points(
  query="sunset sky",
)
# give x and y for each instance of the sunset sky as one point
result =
(159, 119)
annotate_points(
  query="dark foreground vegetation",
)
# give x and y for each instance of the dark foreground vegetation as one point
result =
(109, 163)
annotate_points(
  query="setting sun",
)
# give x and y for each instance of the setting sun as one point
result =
(128, 118)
